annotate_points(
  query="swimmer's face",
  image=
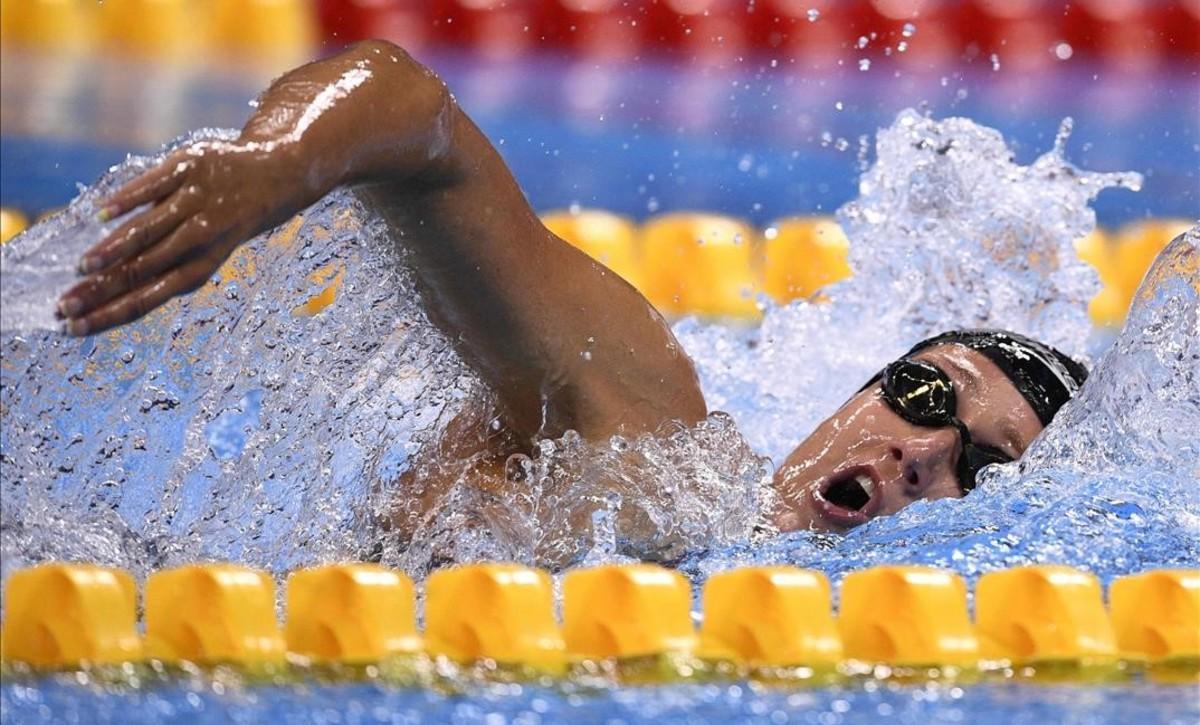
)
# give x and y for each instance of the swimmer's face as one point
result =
(867, 461)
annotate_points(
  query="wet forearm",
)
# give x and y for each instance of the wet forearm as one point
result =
(565, 343)
(371, 113)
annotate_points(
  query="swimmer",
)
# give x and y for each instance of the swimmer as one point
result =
(522, 304)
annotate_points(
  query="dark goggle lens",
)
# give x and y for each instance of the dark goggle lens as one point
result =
(973, 459)
(920, 393)
(924, 395)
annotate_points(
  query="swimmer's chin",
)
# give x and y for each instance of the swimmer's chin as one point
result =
(784, 518)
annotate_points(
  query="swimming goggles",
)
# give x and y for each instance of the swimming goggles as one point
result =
(921, 393)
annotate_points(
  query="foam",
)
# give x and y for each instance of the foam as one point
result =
(224, 426)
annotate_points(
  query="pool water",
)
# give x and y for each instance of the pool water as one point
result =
(752, 138)
(227, 427)
(726, 702)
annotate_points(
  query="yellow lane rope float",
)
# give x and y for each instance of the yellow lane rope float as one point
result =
(66, 616)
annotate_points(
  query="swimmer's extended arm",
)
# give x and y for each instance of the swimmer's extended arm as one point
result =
(564, 342)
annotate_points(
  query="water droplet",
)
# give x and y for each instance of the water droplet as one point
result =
(813, 15)
(862, 42)
(127, 356)
(909, 30)
(1064, 134)
(1063, 51)
(901, 46)
(864, 64)
(995, 62)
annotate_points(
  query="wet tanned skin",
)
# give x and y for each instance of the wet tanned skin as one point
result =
(520, 303)
(904, 462)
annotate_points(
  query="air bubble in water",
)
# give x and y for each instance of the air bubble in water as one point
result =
(370, 383)
(905, 228)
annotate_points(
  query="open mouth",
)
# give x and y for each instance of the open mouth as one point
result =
(850, 492)
(849, 497)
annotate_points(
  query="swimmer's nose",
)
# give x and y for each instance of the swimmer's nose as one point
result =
(926, 463)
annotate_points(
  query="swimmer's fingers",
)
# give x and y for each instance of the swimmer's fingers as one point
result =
(151, 186)
(138, 233)
(140, 302)
(143, 270)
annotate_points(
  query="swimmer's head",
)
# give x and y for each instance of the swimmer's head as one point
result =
(923, 427)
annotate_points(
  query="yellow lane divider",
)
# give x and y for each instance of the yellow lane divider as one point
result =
(627, 611)
(770, 616)
(282, 31)
(907, 616)
(501, 612)
(12, 223)
(608, 238)
(1044, 614)
(801, 255)
(719, 266)
(70, 614)
(212, 613)
(161, 29)
(64, 616)
(700, 263)
(350, 613)
(63, 26)
(1156, 616)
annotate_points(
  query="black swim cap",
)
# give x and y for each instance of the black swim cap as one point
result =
(1045, 377)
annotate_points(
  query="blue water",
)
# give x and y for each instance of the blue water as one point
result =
(748, 139)
(224, 427)
(1007, 704)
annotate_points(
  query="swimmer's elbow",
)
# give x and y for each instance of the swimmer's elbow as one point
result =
(404, 75)
(417, 103)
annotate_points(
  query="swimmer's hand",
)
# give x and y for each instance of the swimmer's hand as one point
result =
(204, 200)
(565, 343)
(368, 115)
